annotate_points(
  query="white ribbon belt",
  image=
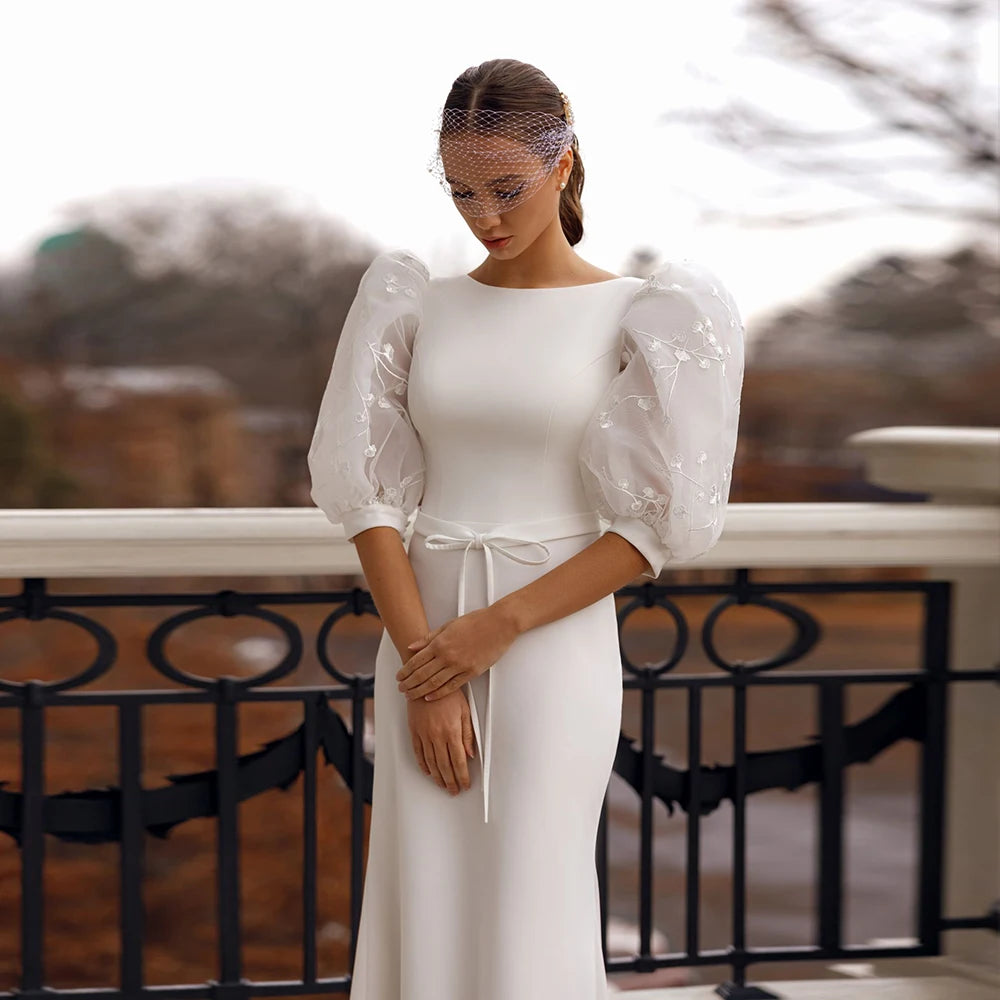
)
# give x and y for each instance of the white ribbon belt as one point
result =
(499, 538)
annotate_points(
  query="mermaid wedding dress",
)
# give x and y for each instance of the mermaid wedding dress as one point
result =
(501, 431)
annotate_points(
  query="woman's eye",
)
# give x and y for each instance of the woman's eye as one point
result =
(500, 194)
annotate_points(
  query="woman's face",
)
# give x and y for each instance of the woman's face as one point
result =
(489, 186)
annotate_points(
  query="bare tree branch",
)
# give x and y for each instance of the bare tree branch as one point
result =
(870, 80)
(951, 134)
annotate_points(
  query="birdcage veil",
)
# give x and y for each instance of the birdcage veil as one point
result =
(490, 161)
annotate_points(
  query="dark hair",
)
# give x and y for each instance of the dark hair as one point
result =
(510, 85)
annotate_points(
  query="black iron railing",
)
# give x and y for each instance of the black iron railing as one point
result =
(127, 812)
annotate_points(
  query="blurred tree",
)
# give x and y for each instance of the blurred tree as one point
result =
(235, 280)
(29, 477)
(921, 135)
(911, 339)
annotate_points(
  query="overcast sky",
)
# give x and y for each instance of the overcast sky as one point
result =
(335, 104)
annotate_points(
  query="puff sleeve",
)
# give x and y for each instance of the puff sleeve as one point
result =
(657, 455)
(365, 460)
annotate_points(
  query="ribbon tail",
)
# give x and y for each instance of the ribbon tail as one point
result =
(483, 744)
(479, 743)
(461, 583)
(489, 746)
(489, 697)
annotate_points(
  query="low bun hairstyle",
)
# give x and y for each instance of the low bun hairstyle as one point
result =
(511, 85)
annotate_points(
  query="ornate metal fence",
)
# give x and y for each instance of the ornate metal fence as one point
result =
(127, 812)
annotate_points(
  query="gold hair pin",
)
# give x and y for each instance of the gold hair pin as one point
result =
(567, 110)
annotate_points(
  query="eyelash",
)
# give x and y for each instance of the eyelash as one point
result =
(502, 194)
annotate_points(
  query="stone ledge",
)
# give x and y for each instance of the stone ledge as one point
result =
(915, 988)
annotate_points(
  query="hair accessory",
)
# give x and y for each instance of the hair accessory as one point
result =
(489, 161)
(567, 110)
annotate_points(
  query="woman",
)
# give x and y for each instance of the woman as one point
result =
(511, 412)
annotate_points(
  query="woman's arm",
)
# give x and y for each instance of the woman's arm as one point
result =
(442, 735)
(608, 563)
(392, 584)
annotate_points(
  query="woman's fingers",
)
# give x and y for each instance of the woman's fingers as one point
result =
(459, 762)
(468, 734)
(447, 687)
(425, 678)
(443, 740)
(430, 752)
(418, 752)
(443, 757)
(439, 682)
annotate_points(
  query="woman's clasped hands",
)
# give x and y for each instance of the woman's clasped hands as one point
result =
(454, 653)
(439, 716)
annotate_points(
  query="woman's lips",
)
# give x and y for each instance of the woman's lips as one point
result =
(497, 244)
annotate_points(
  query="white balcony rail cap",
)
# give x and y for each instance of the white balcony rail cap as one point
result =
(300, 541)
(954, 464)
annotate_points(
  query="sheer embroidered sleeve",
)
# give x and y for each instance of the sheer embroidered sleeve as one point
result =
(657, 455)
(365, 459)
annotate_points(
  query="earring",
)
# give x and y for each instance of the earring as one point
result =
(561, 186)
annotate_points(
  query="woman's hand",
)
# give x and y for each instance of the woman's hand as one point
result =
(442, 737)
(454, 653)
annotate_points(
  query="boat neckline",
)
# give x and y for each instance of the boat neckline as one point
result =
(545, 288)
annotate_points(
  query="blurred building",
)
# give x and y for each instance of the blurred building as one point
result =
(163, 436)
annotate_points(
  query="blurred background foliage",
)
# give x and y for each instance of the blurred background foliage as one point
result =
(169, 345)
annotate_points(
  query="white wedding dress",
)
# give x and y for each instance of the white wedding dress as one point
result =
(502, 430)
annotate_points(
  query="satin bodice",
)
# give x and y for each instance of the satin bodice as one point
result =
(502, 384)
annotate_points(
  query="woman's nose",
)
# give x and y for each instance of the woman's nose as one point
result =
(487, 222)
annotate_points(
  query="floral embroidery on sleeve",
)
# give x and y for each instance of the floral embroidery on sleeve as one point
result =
(661, 444)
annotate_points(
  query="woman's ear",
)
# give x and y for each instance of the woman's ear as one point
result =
(566, 165)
